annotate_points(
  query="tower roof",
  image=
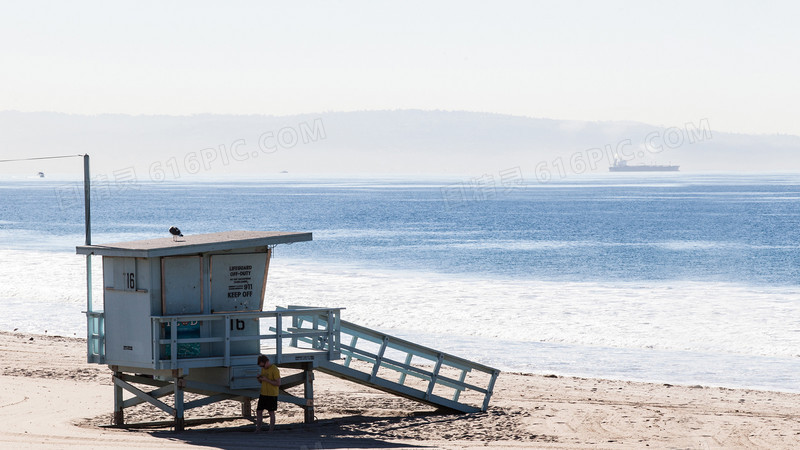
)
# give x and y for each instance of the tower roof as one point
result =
(193, 244)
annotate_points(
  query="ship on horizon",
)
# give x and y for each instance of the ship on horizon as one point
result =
(622, 166)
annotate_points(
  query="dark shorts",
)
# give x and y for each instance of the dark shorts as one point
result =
(268, 402)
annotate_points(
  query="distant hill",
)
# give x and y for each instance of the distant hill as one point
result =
(378, 142)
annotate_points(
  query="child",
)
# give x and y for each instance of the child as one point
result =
(270, 379)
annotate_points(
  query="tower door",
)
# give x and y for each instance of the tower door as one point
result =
(181, 285)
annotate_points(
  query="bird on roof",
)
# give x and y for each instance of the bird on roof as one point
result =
(175, 232)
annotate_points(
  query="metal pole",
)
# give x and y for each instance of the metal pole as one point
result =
(86, 199)
(87, 194)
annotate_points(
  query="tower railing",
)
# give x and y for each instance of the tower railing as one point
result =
(171, 350)
(96, 336)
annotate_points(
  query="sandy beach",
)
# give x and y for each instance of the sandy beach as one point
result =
(49, 397)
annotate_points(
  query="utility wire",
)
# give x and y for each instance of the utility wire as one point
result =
(42, 157)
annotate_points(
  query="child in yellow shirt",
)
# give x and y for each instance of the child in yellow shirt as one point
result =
(270, 379)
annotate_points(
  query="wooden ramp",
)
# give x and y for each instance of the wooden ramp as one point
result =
(402, 368)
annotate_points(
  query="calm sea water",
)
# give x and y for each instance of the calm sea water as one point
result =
(681, 278)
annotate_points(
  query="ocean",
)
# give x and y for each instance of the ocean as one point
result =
(677, 278)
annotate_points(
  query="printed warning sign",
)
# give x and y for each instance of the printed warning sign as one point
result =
(237, 282)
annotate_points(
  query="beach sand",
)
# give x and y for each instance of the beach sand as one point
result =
(50, 397)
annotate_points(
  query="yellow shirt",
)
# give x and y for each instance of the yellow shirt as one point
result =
(271, 373)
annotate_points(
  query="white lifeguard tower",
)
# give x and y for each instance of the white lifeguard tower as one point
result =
(188, 316)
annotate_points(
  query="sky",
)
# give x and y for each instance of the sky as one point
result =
(733, 63)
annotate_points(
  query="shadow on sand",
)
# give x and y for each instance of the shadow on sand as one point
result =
(344, 432)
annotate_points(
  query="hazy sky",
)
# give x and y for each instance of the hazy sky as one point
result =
(736, 64)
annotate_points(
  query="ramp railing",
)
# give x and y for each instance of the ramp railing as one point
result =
(404, 368)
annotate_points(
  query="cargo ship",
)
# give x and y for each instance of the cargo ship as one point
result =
(622, 166)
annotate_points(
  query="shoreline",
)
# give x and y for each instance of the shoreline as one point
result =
(650, 362)
(50, 397)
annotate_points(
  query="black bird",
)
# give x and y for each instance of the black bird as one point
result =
(175, 232)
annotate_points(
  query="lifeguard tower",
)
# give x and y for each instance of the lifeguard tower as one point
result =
(188, 316)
